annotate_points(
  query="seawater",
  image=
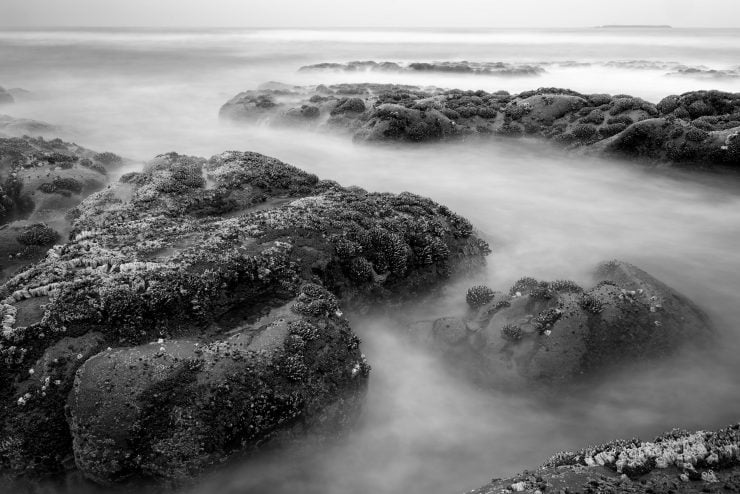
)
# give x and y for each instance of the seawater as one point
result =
(547, 214)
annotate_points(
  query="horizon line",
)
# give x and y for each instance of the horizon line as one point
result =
(147, 26)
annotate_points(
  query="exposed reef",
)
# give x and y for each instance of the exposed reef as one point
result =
(39, 181)
(523, 69)
(463, 67)
(196, 313)
(675, 462)
(557, 333)
(700, 127)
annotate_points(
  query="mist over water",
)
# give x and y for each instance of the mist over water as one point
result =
(547, 214)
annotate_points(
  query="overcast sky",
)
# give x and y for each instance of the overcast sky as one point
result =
(372, 13)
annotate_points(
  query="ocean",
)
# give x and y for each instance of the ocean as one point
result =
(547, 214)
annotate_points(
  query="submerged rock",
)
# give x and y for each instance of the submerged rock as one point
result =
(698, 128)
(226, 264)
(556, 333)
(677, 461)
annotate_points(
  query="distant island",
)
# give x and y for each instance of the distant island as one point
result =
(641, 26)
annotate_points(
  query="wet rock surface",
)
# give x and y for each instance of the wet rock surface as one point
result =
(195, 314)
(557, 333)
(172, 408)
(675, 462)
(40, 180)
(700, 127)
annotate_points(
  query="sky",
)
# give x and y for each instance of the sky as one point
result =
(373, 13)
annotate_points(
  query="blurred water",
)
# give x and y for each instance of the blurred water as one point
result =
(549, 215)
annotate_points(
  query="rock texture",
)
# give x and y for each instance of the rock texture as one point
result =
(172, 408)
(556, 333)
(47, 168)
(701, 127)
(208, 280)
(39, 181)
(675, 462)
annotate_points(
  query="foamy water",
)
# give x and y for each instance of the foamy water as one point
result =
(547, 214)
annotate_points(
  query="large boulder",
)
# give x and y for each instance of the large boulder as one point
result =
(556, 333)
(677, 461)
(172, 408)
(227, 261)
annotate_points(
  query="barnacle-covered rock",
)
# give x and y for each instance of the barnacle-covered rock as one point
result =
(478, 295)
(690, 128)
(64, 173)
(225, 253)
(677, 461)
(37, 234)
(555, 333)
(172, 408)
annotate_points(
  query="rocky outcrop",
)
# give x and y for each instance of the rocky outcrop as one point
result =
(678, 461)
(524, 70)
(700, 127)
(463, 67)
(556, 333)
(39, 181)
(225, 265)
(33, 168)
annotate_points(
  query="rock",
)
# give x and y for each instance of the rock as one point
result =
(677, 461)
(692, 128)
(556, 333)
(477, 68)
(40, 180)
(234, 254)
(521, 70)
(175, 407)
(450, 330)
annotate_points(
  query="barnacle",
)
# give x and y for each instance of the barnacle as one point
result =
(478, 296)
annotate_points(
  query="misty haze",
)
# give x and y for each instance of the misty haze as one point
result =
(299, 257)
